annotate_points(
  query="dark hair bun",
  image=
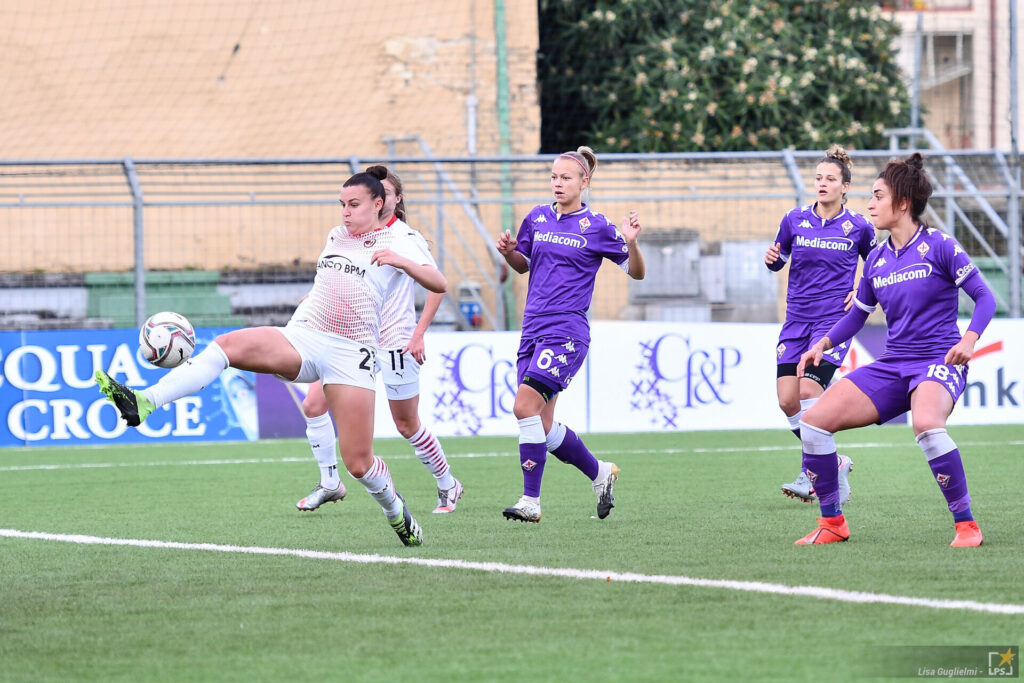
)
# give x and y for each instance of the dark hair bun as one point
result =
(378, 172)
(915, 161)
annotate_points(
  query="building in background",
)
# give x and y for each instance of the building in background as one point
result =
(964, 67)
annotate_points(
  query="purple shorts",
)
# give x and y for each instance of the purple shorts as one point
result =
(796, 337)
(888, 382)
(552, 361)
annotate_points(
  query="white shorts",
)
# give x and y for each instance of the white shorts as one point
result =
(401, 374)
(332, 359)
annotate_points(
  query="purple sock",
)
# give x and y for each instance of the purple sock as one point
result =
(948, 469)
(949, 473)
(532, 457)
(572, 451)
(823, 471)
(533, 453)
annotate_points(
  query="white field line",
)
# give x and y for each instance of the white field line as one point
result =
(510, 452)
(818, 592)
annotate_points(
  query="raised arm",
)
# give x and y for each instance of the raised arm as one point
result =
(506, 245)
(630, 232)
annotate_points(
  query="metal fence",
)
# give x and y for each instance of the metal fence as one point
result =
(103, 243)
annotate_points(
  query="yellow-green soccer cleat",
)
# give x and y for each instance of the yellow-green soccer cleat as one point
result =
(133, 406)
(406, 526)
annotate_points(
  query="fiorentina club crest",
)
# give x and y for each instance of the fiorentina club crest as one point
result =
(943, 480)
(812, 476)
(584, 224)
(922, 249)
(529, 465)
(847, 227)
(780, 349)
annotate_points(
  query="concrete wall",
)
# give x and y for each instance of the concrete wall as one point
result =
(272, 78)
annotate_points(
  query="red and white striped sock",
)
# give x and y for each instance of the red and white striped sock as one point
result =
(428, 450)
(377, 481)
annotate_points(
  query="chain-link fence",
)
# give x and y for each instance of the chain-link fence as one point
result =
(103, 243)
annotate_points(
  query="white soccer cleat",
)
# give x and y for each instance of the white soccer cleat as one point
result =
(526, 510)
(319, 495)
(448, 499)
(607, 473)
(800, 488)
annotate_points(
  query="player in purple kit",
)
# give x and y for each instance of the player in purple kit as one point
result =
(914, 276)
(562, 245)
(821, 242)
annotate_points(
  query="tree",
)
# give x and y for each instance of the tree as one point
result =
(708, 75)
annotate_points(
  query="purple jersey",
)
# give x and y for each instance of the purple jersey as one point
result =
(917, 288)
(564, 252)
(822, 255)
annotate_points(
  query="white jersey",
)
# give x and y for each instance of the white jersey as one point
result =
(398, 317)
(349, 292)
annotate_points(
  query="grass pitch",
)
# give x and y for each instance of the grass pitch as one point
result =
(702, 505)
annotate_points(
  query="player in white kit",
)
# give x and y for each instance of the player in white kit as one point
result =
(333, 337)
(399, 358)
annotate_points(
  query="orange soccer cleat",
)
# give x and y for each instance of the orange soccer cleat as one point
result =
(830, 530)
(968, 535)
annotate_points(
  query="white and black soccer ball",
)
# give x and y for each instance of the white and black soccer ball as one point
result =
(167, 339)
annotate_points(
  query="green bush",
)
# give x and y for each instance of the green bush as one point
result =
(708, 75)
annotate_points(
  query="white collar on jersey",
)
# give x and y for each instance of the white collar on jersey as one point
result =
(560, 216)
(888, 240)
(814, 210)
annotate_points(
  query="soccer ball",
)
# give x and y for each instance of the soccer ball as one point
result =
(167, 339)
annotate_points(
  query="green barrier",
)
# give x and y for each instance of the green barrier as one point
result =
(192, 293)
